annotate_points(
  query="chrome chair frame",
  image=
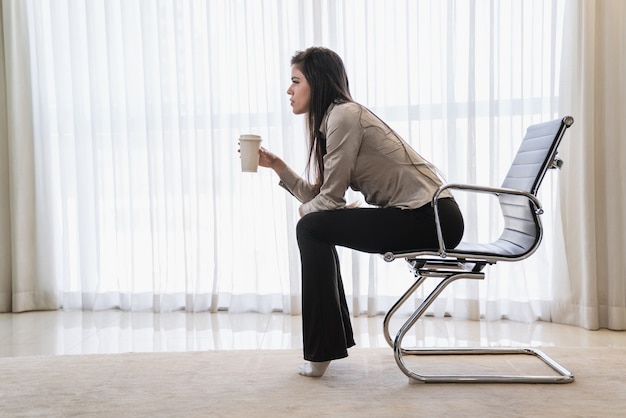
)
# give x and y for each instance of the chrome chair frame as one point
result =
(521, 237)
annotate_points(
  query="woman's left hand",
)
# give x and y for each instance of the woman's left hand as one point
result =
(271, 160)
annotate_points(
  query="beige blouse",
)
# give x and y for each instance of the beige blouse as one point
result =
(363, 153)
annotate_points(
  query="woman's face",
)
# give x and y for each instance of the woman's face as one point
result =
(300, 92)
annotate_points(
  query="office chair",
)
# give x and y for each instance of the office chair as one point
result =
(520, 237)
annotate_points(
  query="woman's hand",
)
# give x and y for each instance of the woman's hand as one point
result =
(271, 160)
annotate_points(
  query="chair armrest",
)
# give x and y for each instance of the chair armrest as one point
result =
(497, 191)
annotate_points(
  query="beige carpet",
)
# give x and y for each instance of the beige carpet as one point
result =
(265, 383)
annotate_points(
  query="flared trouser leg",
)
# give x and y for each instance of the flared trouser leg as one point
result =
(326, 326)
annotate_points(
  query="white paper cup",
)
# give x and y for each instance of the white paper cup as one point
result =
(249, 146)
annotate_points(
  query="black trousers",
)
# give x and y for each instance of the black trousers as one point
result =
(326, 327)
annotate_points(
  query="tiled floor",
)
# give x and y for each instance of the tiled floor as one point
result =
(59, 332)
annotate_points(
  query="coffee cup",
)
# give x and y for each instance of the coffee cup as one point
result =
(249, 146)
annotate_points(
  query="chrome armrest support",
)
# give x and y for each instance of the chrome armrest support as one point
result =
(497, 191)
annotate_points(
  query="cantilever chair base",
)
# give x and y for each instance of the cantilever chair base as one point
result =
(562, 376)
(448, 272)
(521, 236)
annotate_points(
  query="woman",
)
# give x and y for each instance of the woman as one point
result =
(350, 147)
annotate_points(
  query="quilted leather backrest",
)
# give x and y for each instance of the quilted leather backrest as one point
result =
(533, 159)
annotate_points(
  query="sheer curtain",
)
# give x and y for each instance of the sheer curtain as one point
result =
(122, 176)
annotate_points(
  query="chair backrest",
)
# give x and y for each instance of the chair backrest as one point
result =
(537, 152)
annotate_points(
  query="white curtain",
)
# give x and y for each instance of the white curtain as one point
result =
(591, 278)
(120, 168)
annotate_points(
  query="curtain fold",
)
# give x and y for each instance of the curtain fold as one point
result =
(121, 166)
(591, 285)
(6, 293)
(28, 241)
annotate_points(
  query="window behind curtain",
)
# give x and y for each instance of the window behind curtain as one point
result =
(138, 105)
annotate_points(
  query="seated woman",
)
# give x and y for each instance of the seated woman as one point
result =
(350, 147)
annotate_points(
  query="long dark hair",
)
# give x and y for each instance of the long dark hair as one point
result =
(328, 81)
